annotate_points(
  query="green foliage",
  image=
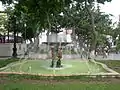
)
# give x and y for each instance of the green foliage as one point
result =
(7, 1)
(42, 15)
(103, 1)
(117, 45)
(77, 18)
(90, 1)
(3, 20)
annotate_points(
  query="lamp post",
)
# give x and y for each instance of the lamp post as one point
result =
(14, 33)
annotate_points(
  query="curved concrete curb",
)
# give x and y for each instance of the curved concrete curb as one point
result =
(111, 72)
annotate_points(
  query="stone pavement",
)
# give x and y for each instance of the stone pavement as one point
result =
(111, 56)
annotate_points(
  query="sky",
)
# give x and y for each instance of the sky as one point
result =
(112, 8)
(109, 7)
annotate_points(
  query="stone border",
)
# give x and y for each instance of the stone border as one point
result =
(82, 74)
(111, 72)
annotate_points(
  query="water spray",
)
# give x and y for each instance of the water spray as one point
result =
(29, 68)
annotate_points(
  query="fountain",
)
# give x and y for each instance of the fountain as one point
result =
(56, 54)
(55, 43)
(54, 66)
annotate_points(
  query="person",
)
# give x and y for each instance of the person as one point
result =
(60, 53)
(82, 52)
(58, 64)
(105, 52)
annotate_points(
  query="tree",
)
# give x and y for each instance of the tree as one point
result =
(79, 19)
(6, 1)
(38, 14)
(116, 37)
(3, 20)
(89, 6)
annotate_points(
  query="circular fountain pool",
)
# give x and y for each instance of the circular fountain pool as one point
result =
(70, 67)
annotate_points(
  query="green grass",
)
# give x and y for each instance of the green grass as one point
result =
(4, 62)
(113, 64)
(67, 85)
(41, 67)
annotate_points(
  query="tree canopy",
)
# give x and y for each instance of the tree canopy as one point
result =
(38, 15)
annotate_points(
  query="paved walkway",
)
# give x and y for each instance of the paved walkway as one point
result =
(111, 56)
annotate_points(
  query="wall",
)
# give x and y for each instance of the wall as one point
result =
(6, 49)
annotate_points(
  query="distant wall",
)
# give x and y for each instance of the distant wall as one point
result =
(6, 49)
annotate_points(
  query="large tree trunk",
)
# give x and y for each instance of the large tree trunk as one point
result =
(94, 34)
(4, 37)
(74, 40)
(14, 45)
(17, 39)
(37, 43)
(49, 29)
(48, 43)
(8, 36)
(81, 44)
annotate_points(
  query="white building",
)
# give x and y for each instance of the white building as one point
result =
(53, 37)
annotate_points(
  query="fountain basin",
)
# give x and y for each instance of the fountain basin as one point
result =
(70, 67)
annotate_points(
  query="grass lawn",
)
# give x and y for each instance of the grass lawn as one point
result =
(60, 85)
(113, 64)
